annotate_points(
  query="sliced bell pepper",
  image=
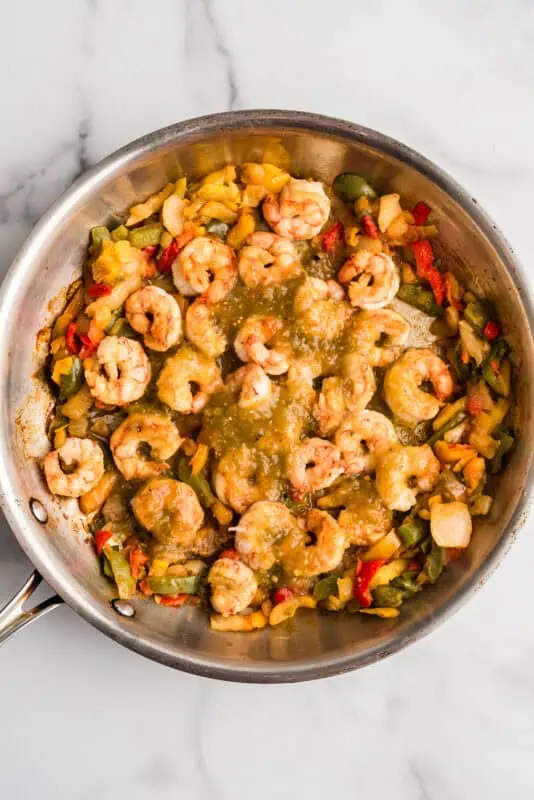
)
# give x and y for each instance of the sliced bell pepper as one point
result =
(491, 330)
(173, 584)
(365, 570)
(121, 572)
(167, 257)
(101, 537)
(424, 261)
(333, 237)
(420, 298)
(325, 587)
(71, 340)
(172, 602)
(412, 532)
(229, 553)
(138, 559)
(150, 251)
(453, 291)
(420, 213)
(369, 226)
(283, 594)
(98, 290)
(198, 483)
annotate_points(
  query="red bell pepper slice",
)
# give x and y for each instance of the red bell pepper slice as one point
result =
(474, 405)
(370, 227)
(365, 571)
(285, 593)
(71, 339)
(88, 347)
(173, 602)
(150, 250)
(99, 290)
(491, 330)
(168, 256)
(332, 238)
(452, 289)
(424, 260)
(421, 213)
(230, 553)
(101, 537)
(138, 558)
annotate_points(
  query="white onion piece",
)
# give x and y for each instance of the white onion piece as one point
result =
(450, 524)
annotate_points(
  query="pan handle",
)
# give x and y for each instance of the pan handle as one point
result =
(13, 617)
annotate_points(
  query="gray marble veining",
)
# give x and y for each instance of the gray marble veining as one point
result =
(452, 718)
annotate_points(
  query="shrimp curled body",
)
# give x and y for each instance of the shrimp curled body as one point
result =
(403, 380)
(300, 211)
(180, 375)
(233, 586)
(207, 267)
(379, 335)
(252, 340)
(362, 438)
(85, 463)
(154, 430)
(267, 259)
(373, 279)
(170, 510)
(260, 531)
(313, 465)
(119, 372)
(156, 314)
(402, 472)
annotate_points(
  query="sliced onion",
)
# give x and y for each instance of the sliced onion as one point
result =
(450, 524)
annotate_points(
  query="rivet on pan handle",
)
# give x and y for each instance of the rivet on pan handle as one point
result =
(13, 617)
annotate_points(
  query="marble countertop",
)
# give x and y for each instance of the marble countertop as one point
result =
(452, 717)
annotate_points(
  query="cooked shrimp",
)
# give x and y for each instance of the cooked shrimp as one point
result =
(170, 510)
(379, 335)
(119, 372)
(373, 279)
(267, 259)
(321, 308)
(303, 559)
(251, 343)
(403, 380)
(203, 330)
(242, 479)
(368, 519)
(300, 376)
(233, 586)
(402, 472)
(330, 407)
(359, 382)
(121, 266)
(75, 468)
(154, 430)
(207, 267)
(181, 374)
(362, 438)
(260, 530)
(300, 211)
(156, 314)
(314, 464)
(254, 386)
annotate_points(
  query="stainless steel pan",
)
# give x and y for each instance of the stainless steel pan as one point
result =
(51, 532)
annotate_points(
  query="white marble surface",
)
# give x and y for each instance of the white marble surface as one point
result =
(452, 718)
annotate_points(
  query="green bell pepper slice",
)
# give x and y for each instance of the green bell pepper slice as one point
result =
(146, 235)
(479, 313)
(197, 482)
(412, 532)
(387, 596)
(420, 298)
(71, 382)
(171, 585)
(122, 574)
(351, 186)
(325, 587)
